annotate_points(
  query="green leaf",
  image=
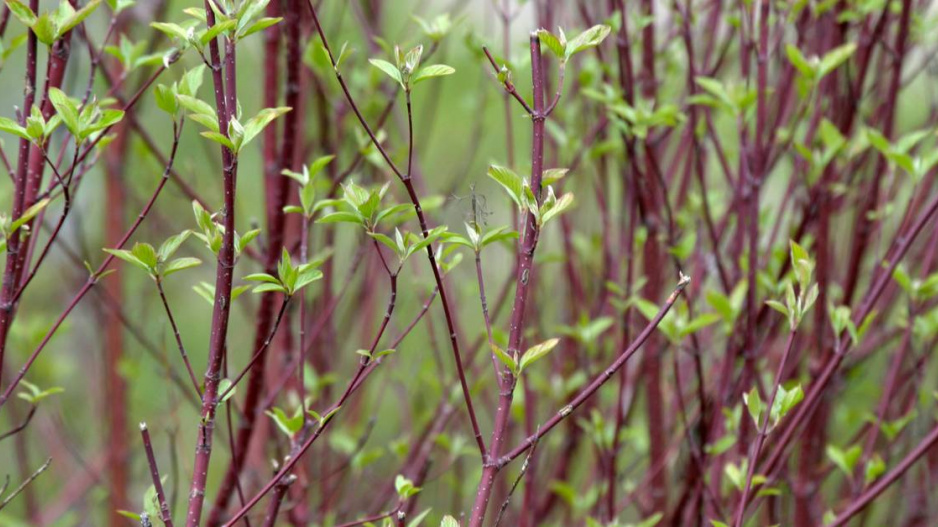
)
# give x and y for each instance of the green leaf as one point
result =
(151, 503)
(497, 235)
(146, 254)
(22, 12)
(537, 352)
(12, 127)
(392, 211)
(223, 390)
(288, 425)
(33, 394)
(262, 277)
(242, 241)
(341, 217)
(220, 139)
(196, 106)
(506, 359)
(449, 521)
(192, 81)
(405, 487)
(28, 215)
(119, 5)
(901, 276)
(553, 43)
(166, 99)
(180, 264)
(208, 121)
(892, 429)
(434, 70)
(411, 60)
(107, 119)
(699, 323)
(590, 38)
(553, 175)
(307, 275)
(130, 515)
(512, 182)
(270, 288)
(846, 460)
(386, 240)
(558, 207)
(755, 406)
(259, 25)
(76, 17)
(128, 257)
(835, 57)
(169, 247)
(260, 121)
(45, 29)
(389, 69)
(217, 29)
(736, 474)
(66, 109)
(785, 401)
(875, 468)
(807, 69)
(720, 445)
(171, 30)
(718, 90)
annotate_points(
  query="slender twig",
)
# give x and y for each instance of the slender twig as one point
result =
(25, 483)
(94, 277)
(276, 499)
(10, 272)
(805, 409)
(523, 278)
(408, 183)
(763, 432)
(511, 491)
(509, 86)
(19, 428)
(182, 348)
(329, 414)
(260, 352)
(225, 103)
(883, 483)
(597, 383)
(155, 475)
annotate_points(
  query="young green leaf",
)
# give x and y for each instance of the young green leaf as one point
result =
(505, 359)
(22, 12)
(67, 110)
(260, 121)
(846, 460)
(754, 403)
(12, 127)
(405, 487)
(128, 257)
(180, 264)
(512, 182)
(553, 43)
(537, 352)
(428, 72)
(389, 69)
(590, 38)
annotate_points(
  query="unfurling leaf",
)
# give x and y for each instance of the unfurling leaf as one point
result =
(536, 352)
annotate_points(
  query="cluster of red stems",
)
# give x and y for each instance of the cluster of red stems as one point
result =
(731, 167)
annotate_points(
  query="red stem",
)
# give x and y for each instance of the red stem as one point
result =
(524, 276)
(155, 476)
